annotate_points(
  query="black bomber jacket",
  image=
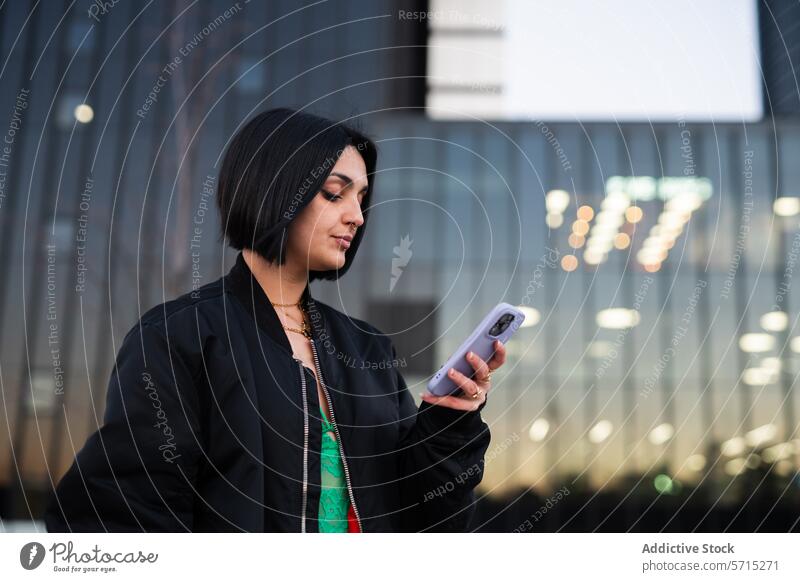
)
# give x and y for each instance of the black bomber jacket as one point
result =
(212, 424)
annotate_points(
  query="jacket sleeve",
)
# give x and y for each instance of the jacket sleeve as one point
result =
(135, 473)
(442, 456)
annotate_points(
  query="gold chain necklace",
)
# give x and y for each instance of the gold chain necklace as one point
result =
(305, 330)
(287, 304)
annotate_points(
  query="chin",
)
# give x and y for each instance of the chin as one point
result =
(331, 263)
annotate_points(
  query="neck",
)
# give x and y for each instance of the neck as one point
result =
(281, 283)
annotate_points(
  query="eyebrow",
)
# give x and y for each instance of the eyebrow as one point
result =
(347, 179)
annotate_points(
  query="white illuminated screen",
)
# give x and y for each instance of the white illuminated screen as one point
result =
(623, 60)
(627, 60)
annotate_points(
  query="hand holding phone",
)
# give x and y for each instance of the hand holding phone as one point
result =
(499, 324)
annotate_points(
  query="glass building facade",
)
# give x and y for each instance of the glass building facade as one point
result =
(656, 393)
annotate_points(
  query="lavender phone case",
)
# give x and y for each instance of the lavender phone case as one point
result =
(479, 342)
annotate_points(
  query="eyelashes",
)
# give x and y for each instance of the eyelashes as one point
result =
(334, 197)
(330, 196)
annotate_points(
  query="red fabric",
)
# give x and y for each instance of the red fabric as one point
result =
(352, 522)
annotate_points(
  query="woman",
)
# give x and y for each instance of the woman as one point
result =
(249, 406)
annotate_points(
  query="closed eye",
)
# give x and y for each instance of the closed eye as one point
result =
(334, 197)
(330, 196)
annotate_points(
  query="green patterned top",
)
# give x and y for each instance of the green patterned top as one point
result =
(333, 500)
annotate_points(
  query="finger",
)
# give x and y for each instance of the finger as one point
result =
(480, 366)
(499, 357)
(455, 402)
(466, 384)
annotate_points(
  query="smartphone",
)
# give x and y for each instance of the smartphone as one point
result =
(500, 324)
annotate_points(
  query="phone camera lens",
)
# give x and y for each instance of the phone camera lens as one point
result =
(501, 325)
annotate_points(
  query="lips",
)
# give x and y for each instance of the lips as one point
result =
(344, 241)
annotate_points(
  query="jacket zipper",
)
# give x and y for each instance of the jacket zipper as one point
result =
(338, 436)
(305, 446)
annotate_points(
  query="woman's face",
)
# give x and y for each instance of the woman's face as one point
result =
(334, 212)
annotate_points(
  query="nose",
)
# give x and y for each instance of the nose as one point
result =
(353, 214)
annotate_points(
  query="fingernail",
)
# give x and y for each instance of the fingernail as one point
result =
(470, 354)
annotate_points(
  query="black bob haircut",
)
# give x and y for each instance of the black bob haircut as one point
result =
(273, 167)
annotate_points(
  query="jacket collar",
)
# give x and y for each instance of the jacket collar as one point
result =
(241, 282)
(244, 285)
